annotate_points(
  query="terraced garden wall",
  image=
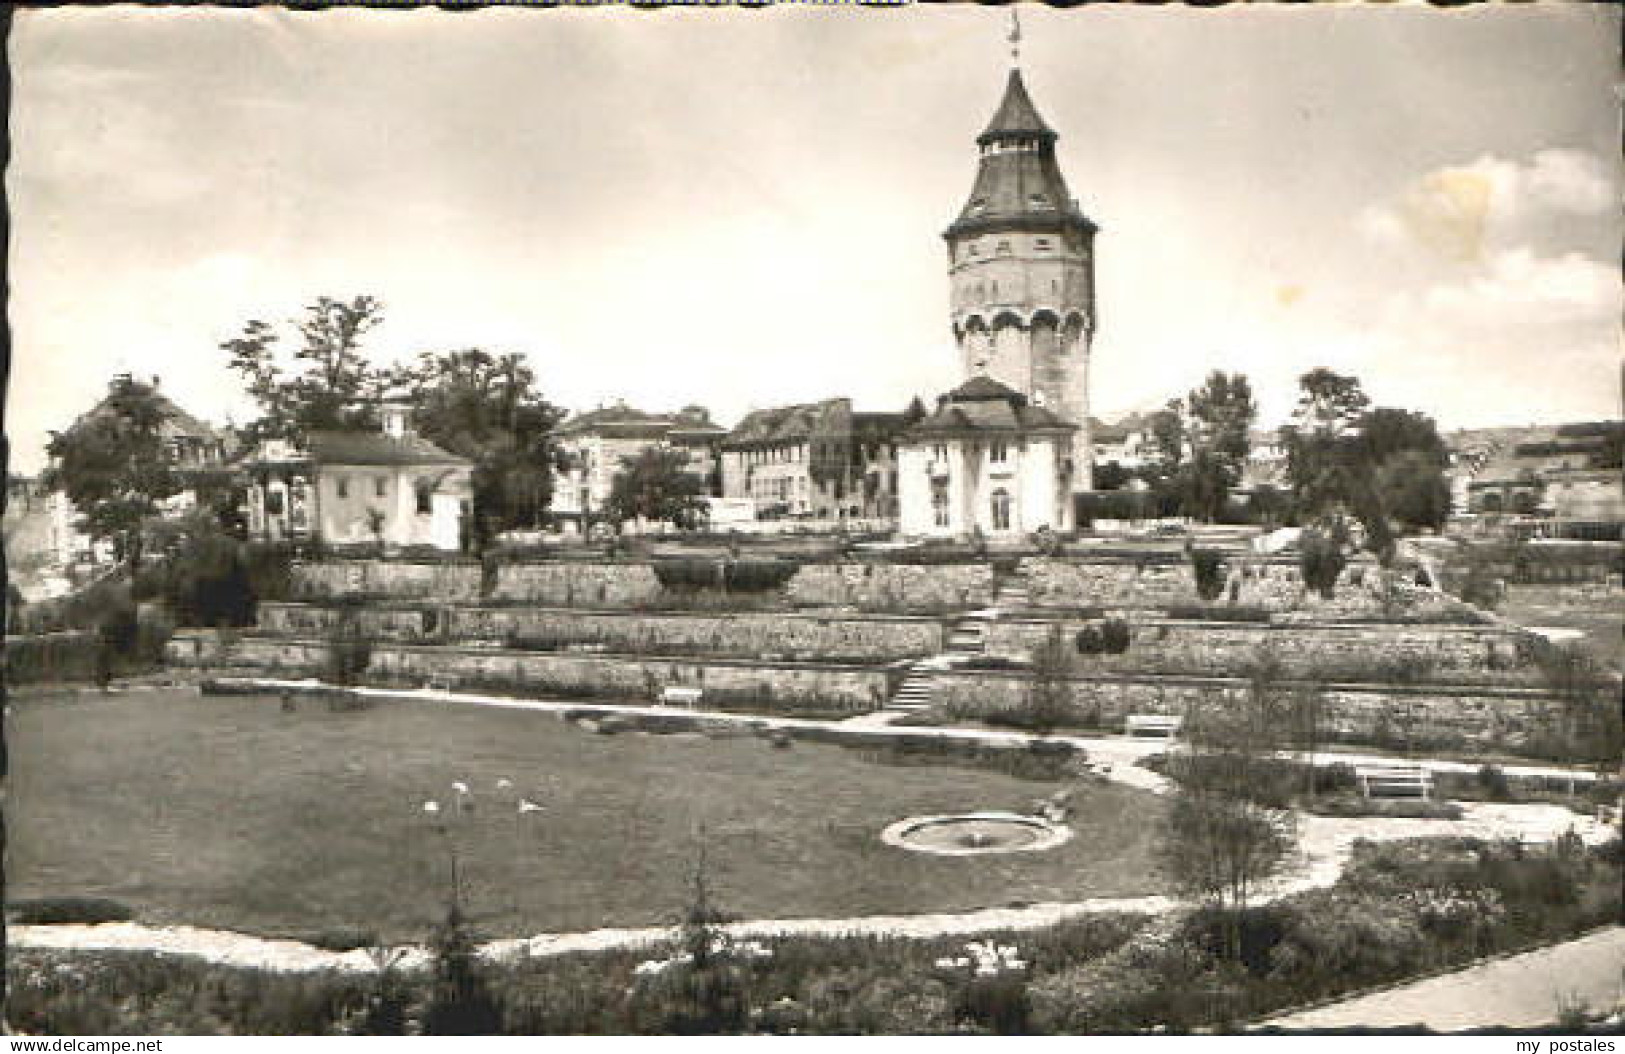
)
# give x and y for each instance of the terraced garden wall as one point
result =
(1332, 652)
(634, 585)
(800, 637)
(1390, 716)
(1166, 580)
(766, 686)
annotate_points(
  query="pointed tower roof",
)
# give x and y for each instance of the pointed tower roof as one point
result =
(1019, 185)
(1016, 116)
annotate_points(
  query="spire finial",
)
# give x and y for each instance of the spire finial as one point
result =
(1015, 37)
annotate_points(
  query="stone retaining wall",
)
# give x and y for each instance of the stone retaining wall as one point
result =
(894, 587)
(799, 637)
(1393, 717)
(634, 585)
(1273, 584)
(765, 686)
(1329, 652)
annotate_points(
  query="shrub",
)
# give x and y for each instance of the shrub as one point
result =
(460, 1001)
(1111, 637)
(1494, 783)
(1208, 566)
(49, 911)
(1321, 559)
(341, 939)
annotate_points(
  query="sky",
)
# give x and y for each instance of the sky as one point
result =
(743, 208)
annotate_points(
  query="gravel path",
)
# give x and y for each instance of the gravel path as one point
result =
(1325, 844)
(1522, 991)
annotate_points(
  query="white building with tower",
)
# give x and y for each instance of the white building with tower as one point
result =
(1006, 450)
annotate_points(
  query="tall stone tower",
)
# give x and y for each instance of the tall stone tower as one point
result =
(1022, 272)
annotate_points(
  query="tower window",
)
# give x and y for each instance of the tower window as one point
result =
(998, 451)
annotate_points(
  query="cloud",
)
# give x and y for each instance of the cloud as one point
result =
(1459, 213)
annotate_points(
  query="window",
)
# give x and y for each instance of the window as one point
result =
(273, 502)
(1001, 510)
(939, 505)
(998, 451)
(341, 485)
(1041, 244)
(1004, 248)
(381, 486)
(425, 496)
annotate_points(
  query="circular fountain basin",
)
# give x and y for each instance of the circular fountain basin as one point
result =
(975, 834)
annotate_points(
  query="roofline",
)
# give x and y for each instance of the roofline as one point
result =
(1027, 223)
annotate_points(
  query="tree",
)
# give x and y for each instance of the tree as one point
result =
(116, 468)
(1408, 461)
(656, 485)
(486, 408)
(330, 384)
(1202, 443)
(1167, 428)
(1383, 466)
(1049, 689)
(1222, 835)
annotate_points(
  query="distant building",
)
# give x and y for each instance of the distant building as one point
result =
(1569, 472)
(1266, 463)
(986, 460)
(593, 445)
(1127, 443)
(817, 460)
(199, 455)
(350, 487)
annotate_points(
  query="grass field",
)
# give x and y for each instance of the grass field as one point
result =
(227, 812)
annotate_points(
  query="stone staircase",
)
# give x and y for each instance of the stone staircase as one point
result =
(1011, 593)
(916, 691)
(967, 637)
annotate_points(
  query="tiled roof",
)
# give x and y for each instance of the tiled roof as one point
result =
(376, 448)
(1019, 187)
(982, 404)
(791, 424)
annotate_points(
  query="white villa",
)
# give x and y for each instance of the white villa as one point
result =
(988, 460)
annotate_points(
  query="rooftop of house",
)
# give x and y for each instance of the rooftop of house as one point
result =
(377, 448)
(626, 421)
(982, 404)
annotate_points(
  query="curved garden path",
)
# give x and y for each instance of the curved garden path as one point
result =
(1324, 847)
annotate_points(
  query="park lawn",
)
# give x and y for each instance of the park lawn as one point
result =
(226, 812)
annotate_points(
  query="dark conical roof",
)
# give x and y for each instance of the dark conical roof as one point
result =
(1016, 115)
(1018, 181)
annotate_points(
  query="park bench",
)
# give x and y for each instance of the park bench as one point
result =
(1394, 781)
(1157, 726)
(689, 697)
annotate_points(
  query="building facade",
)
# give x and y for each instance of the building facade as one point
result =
(986, 462)
(1021, 274)
(593, 445)
(814, 460)
(392, 487)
